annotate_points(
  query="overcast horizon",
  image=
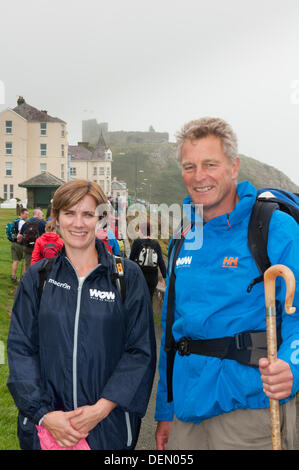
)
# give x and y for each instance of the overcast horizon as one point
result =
(137, 64)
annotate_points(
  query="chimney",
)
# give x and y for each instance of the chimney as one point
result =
(20, 100)
(44, 111)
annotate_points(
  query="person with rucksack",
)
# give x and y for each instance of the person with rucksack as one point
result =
(81, 347)
(29, 233)
(107, 236)
(48, 245)
(147, 254)
(12, 230)
(215, 377)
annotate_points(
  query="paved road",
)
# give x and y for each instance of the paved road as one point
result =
(146, 439)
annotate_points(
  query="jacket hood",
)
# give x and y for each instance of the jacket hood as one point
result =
(50, 236)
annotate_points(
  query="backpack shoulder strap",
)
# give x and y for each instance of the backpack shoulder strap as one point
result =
(119, 275)
(258, 230)
(174, 250)
(44, 273)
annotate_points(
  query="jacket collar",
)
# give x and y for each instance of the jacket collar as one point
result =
(105, 259)
(247, 194)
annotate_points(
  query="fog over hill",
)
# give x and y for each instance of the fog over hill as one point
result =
(153, 172)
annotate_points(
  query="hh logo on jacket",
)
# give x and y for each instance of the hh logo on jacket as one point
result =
(230, 262)
(102, 295)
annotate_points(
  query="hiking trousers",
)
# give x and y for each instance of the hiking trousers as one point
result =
(28, 254)
(237, 430)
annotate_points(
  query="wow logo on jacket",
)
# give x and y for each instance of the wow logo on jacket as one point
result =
(102, 295)
(184, 261)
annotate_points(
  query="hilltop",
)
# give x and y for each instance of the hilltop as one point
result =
(154, 170)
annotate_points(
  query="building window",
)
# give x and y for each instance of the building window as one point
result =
(62, 171)
(43, 167)
(101, 170)
(108, 171)
(8, 127)
(8, 169)
(43, 128)
(10, 191)
(94, 171)
(73, 171)
(43, 150)
(5, 192)
(62, 150)
(62, 130)
(102, 184)
(8, 148)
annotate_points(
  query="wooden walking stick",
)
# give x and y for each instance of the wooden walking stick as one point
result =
(269, 283)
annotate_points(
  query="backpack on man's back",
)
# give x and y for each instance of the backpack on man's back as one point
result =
(12, 230)
(148, 256)
(31, 233)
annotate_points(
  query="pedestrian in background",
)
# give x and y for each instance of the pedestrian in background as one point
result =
(147, 253)
(17, 252)
(48, 245)
(29, 233)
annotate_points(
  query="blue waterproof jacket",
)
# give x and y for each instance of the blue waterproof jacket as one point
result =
(211, 301)
(81, 345)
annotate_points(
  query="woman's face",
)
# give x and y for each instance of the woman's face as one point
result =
(77, 224)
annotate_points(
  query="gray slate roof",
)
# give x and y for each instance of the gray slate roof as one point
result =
(79, 152)
(44, 179)
(35, 115)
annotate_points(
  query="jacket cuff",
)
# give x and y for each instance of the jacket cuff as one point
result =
(40, 414)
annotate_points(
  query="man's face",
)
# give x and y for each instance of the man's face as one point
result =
(24, 215)
(209, 175)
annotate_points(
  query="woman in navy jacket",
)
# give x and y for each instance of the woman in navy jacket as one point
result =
(81, 361)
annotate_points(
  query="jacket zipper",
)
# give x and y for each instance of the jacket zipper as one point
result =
(75, 349)
(76, 328)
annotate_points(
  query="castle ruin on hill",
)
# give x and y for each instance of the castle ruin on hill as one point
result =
(91, 130)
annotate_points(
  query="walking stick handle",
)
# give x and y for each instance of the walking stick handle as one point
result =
(269, 282)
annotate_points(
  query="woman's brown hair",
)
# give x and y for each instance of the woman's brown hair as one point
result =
(69, 194)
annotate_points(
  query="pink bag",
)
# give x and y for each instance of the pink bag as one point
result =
(47, 441)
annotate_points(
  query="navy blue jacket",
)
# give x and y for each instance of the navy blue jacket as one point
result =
(81, 345)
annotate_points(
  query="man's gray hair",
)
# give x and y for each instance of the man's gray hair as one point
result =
(37, 212)
(203, 127)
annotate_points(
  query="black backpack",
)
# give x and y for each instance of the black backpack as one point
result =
(268, 200)
(31, 233)
(148, 256)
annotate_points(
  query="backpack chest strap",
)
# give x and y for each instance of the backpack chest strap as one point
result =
(246, 348)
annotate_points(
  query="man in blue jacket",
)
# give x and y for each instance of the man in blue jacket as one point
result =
(222, 403)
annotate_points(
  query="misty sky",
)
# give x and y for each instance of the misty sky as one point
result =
(134, 64)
